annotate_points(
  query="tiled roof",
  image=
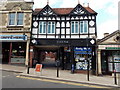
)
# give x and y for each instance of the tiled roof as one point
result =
(63, 11)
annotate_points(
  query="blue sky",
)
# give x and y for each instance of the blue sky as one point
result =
(107, 18)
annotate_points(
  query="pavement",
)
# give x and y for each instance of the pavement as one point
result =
(64, 75)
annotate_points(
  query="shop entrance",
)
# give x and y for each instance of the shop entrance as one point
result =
(5, 52)
(48, 56)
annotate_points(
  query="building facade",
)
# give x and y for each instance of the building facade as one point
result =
(15, 31)
(109, 53)
(70, 32)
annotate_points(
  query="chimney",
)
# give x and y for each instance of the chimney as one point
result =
(106, 34)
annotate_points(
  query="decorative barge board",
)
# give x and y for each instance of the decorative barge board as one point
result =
(66, 27)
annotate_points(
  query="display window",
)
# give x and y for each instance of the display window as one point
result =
(80, 55)
(18, 52)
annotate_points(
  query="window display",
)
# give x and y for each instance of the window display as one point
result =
(80, 54)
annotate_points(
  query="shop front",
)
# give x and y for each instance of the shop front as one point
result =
(73, 54)
(110, 59)
(13, 49)
(109, 53)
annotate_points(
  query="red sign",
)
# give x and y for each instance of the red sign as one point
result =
(38, 67)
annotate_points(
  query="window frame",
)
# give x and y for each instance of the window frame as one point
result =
(43, 29)
(73, 23)
(15, 19)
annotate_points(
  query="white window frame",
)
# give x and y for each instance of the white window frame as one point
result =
(84, 22)
(74, 27)
(43, 27)
(51, 28)
(16, 19)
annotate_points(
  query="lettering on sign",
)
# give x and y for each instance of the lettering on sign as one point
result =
(63, 41)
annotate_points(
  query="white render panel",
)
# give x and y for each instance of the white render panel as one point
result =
(58, 18)
(63, 18)
(67, 31)
(83, 36)
(67, 18)
(42, 36)
(63, 36)
(85, 17)
(34, 36)
(67, 24)
(93, 17)
(50, 36)
(58, 24)
(45, 18)
(92, 30)
(92, 36)
(53, 18)
(57, 31)
(74, 36)
(63, 24)
(34, 31)
(41, 18)
(67, 36)
(62, 31)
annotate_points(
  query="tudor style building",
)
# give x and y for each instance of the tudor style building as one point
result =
(71, 32)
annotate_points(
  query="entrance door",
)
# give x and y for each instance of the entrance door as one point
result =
(5, 52)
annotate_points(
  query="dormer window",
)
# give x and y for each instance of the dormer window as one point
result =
(16, 19)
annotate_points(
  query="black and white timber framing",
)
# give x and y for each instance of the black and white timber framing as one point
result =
(63, 22)
(66, 27)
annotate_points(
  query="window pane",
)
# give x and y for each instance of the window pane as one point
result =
(85, 27)
(81, 26)
(12, 19)
(72, 27)
(53, 27)
(44, 27)
(40, 27)
(49, 27)
(76, 27)
(20, 19)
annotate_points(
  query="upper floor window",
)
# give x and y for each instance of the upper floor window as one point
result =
(16, 19)
(42, 27)
(79, 27)
(48, 27)
(75, 27)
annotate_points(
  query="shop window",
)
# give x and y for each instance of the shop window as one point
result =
(18, 53)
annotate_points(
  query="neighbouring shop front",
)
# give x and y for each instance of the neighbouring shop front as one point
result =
(73, 54)
(13, 49)
(110, 59)
(109, 53)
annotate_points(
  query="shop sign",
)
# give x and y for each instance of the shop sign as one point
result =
(113, 47)
(82, 50)
(13, 37)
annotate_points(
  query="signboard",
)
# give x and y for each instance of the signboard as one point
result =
(83, 50)
(13, 37)
(38, 68)
(110, 47)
